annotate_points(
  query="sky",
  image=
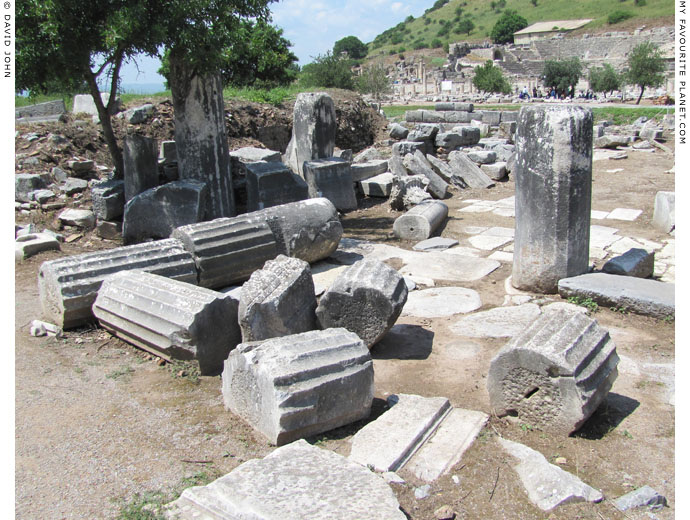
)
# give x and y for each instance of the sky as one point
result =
(313, 26)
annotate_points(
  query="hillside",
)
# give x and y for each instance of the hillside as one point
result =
(444, 24)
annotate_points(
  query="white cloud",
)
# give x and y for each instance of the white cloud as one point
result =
(397, 7)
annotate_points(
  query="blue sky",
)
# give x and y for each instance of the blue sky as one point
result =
(313, 26)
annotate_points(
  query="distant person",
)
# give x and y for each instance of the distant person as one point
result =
(534, 92)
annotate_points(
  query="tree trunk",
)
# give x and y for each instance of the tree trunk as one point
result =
(106, 123)
(200, 134)
(641, 92)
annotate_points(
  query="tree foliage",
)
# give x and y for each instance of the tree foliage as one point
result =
(646, 67)
(375, 81)
(508, 23)
(354, 47)
(489, 78)
(619, 16)
(328, 71)
(562, 75)
(465, 26)
(604, 79)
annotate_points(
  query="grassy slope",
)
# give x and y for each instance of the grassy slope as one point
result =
(484, 18)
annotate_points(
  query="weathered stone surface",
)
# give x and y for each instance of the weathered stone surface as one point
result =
(555, 373)
(439, 302)
(42, 196)
(343, 154)
(25, 183)
(81, 167)
(34, 243)
(108, 198)
(300, 385)
(421, 221)
(495, 171)
(366, 155)
(155, 213)
(84, 104)
(664, 211)
(435, 244)
(548, 486)
(402, 148)
(378, 186)
(278, 300)
(139, 114)
(445, 171)
(500, 322)
(506, 129)
(635, 262)
(109, 230)
(172, 319)
(482, 156)
(49, 108)
(73, 185)
(332, 179)
(490, 117)
(140, 164)
(68, 286)
(387, 443)
(167, 153)
(611, 141)
(398, 132)
(289, 483)
(553, 192)
(449, 140)
(469, 172)
(651, 133)
(271, 184)
(82, 218)
(420, 166)
(644, 496)
(59, 174)
(408, 191)
(227, 250)
(642, 296)
(250, 154)
(366, 299)
(313, 130)
(366, 170)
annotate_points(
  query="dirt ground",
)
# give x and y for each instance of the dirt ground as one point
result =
(98, 421)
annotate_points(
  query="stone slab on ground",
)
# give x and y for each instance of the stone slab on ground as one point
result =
(82, 218)
(369, 169)
(435, 244)
(445, 448)
(293, 482)
(642, 296)
(548, 486)
(644, 496)
(441, 301)
(378, 186)
(387, 443)
(500, 322)
(488, 242)
(453, 268)
(624, 214)
(331, 178)
(34, 243)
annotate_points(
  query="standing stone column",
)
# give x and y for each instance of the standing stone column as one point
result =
(200, 135)
(140, 165)
(553, 192)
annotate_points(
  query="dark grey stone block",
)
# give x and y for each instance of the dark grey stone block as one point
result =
(331, 178)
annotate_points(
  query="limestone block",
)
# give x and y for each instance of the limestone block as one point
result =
(73, 185)
(555, 373)
(482, 156)
(47, 109)
(81, 168)
(42, 196)
(449, 140)
(490, 117)
(414, 116)
(296, 386)
(442, 107)
(421, 221)
(289, 483)
(445, 171)
(250, 154)
(271, 184)
(553, 192)
(471, 135)
(138, 115)
(635, 262)
(457, 116)
(109, 230)
(170, 318)
(278, 300)
(34, 243)
(83, 103)
(468, 171)
(140, 164)
(155, 213)
(402, 148)
(25, 183)
(108, 198)
(506, 129)
(431, 116)
(509, 116)
(313, 130)
(398, 132)
(396, 166)
(332, 179)
(651, 133)
(366, 170)
(68, 286)
(611, 141)
(227, 250)
(419, 165)
(644, 496)
(424, 132)
(343, 154)
(82, 218)
(366, 155)
(378, 186)
(367, 299)
(495, 171)
(167, 153)
(664, 218)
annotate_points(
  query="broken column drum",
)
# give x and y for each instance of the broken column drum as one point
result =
(420, 222)
(68, 286)
(553, 192)
(278, 300)
(172, 319)
(555, 373)
(300, 385)
(367, 298)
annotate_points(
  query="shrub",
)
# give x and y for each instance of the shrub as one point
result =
(436, 43)
(619, 16)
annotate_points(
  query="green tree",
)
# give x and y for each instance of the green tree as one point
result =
(489, 78)
(375, 81)
(508, 23)
(63, 45)
(465, 26)
(646, 67)
(619, 16)
(328, 71)
(604, 79)
(352, 45)
(563, 75)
